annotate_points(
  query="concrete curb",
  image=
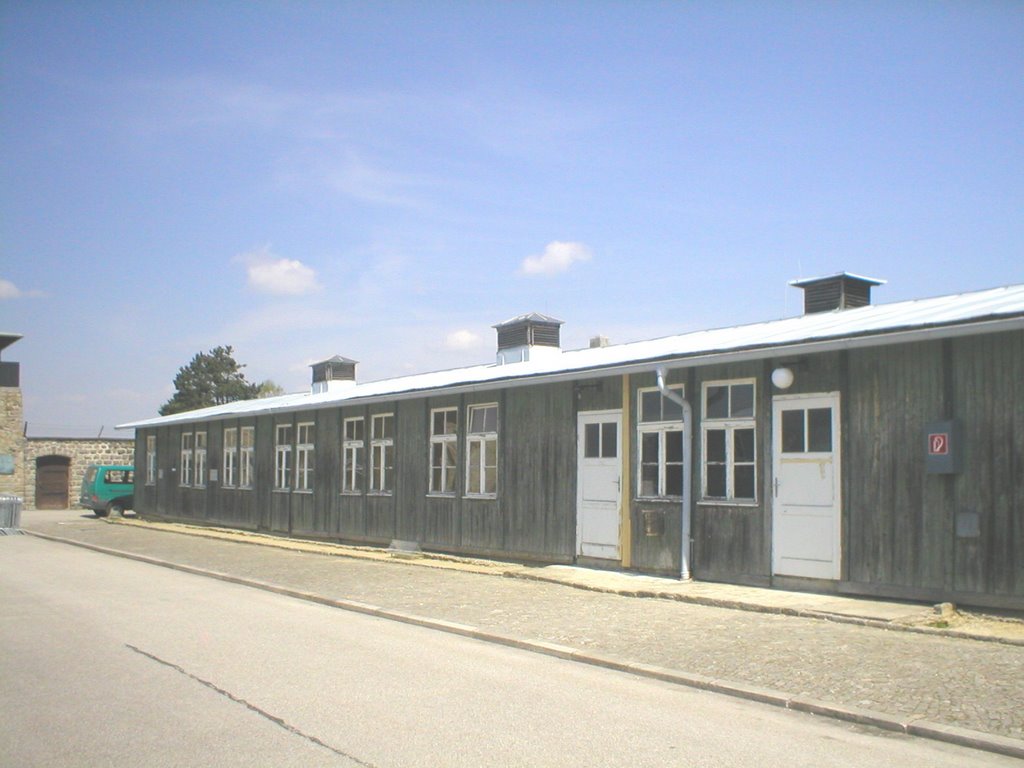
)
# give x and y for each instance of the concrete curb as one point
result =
(910, 726)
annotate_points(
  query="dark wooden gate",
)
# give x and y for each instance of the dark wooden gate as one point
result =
(52, 482)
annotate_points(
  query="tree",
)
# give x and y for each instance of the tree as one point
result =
(269, 388)
(212, 378)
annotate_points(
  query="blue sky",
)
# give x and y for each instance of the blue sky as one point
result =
(386, 181)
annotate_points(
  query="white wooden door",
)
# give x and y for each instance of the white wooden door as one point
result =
(599, 474)
(806, 486)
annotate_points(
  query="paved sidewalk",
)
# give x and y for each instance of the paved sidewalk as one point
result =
(778, 649)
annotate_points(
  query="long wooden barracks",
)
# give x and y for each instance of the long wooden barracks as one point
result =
(858, 448)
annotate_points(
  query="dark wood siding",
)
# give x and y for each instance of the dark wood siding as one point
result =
(732, 542)
(538, 479)
(988, 398)
(657, 547)
(894, 537)
(439, 516)
(902, 523)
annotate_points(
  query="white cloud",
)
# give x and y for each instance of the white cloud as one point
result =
(281, 277)
(9, 290)
(462, 340)
(558, 256)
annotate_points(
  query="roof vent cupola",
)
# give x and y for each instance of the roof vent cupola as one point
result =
(839, 291)
(333, 374)
(528, 337)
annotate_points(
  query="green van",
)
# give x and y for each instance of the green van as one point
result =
(108, 489)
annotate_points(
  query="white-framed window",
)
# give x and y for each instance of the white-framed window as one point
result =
(200, 479)
(185, 478)
(660, 441)
(282, 457)
(353, 451)
(305, 456)
(482, 450)
(729, 428)
(230, 457)
(150, 459)
(247, 457)
(444, 448)
(382, 452)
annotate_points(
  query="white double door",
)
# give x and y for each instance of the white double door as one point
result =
(599, 484)
(806, 503)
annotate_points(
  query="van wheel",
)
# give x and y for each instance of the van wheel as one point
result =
(115, 509)
(101, 512)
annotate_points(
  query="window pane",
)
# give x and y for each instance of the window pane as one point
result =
(714, 449)
(609, 440)
(674, 446)
(744, 479)
(819, 428)
(671, 410)
(474, 467)
(649, 448)
(743, 445)
(741, 401)
(592, 441)
(382, 427)
(674, 480)
(491, 419)
(445, 422)
(650, 406)
(649, 480)
(435, 479)
(715, 481)
(793, 431)
(716, 403)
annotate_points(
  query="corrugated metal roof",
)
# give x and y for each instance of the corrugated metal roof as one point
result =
(872, 324)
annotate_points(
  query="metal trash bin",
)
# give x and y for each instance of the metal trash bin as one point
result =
(10, 514)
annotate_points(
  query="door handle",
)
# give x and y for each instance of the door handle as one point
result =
(776, 486)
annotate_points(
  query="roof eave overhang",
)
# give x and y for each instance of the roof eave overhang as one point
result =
(646, 365)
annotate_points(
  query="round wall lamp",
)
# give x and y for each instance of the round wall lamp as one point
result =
(782, 378)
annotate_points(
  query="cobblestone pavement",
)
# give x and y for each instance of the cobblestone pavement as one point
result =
(952, 681)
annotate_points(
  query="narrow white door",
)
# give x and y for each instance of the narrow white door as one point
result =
(806, 486)
(598, 494)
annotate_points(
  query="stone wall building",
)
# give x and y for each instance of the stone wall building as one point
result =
(46, 472)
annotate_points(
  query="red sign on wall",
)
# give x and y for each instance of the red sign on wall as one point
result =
(938, 444)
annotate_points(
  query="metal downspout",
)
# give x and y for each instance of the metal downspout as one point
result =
(684, 558)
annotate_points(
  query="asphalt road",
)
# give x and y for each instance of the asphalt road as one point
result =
(105, 661)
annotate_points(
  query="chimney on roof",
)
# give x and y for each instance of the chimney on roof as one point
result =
(599, 341)
(839, 291)
(333, 374)
(528, 337)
